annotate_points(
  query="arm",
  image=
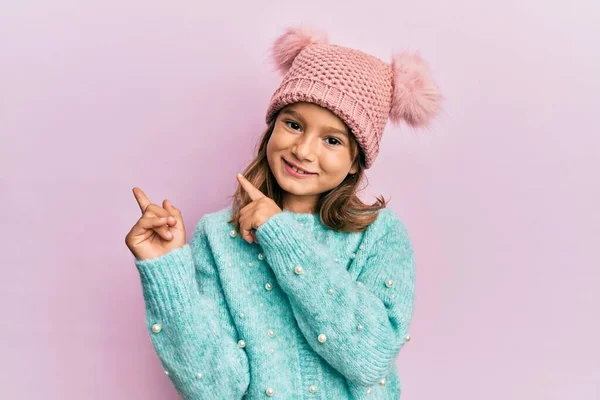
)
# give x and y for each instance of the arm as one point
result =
(189, 323)
(357, 327)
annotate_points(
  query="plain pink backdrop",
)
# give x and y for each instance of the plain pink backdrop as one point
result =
(500, 195)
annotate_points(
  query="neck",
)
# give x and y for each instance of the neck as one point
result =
(306, 204)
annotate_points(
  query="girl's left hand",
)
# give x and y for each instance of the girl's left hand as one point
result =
(257, 212)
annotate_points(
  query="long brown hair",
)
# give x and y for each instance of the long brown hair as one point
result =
(339, 208)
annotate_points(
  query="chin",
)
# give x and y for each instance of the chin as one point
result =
(289, 186)
(294, 187)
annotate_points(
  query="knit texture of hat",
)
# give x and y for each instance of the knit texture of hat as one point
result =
(360, 89)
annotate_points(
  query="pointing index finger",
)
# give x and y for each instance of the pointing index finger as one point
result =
(254, 193)
(141, 199)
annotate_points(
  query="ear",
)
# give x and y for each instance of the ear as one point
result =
(353, 169)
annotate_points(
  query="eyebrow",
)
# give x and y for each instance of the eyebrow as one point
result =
(299, 116)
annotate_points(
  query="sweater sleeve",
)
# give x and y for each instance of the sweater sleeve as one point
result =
(189, 322)
(358, 327)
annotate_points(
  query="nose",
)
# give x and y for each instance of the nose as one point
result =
(305, 147)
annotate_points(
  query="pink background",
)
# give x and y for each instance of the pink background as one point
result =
(500, 195)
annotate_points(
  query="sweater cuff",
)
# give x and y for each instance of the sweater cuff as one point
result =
(281, 235)
(169, 278)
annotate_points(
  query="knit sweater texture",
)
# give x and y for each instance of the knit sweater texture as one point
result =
(306, 313)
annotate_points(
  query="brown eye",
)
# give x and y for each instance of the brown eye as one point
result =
(294, 125)
(335, 141)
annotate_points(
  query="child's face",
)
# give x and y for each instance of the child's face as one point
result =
(316, 140)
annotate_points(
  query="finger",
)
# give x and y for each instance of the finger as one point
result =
(248, 209)
(248, 212)
(171, 209)
(245, 230)
(152, 222)
(157, 224)
(154, 210)
(245, 221)
(174, 213)
(247, 236)
(141, 198)
(254, 193)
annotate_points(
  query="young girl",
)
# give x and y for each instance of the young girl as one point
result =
(298, 290)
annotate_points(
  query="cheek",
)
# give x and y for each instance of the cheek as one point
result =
(278, 143)
(273, 150)
(270, 153)
(337, 164)
(275, 142)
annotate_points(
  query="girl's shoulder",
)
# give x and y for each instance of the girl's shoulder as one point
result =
(387, 222)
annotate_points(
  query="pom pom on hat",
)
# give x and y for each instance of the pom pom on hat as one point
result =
(287, 46)
(415, 98)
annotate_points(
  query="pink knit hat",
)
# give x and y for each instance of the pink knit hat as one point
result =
(359, 88)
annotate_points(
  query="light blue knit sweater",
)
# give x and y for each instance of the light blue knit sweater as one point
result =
(309, 313)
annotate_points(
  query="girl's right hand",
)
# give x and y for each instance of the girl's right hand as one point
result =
(158, 231)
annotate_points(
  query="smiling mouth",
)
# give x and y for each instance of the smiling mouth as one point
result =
(297, 170)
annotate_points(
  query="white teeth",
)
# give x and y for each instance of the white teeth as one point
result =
(297, 170)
